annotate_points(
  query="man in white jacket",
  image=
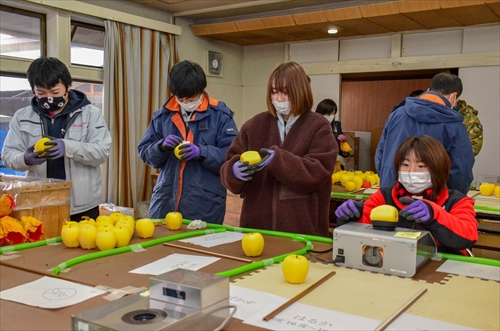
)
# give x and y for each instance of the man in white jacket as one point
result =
(80, 139)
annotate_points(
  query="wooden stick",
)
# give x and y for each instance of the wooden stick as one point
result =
(401, 310)
(297, 297)
(209, 253)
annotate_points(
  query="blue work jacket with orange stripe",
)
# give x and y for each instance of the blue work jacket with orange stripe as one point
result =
(192, 188)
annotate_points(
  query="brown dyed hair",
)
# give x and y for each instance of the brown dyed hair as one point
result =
(290, 78)
(431, 152)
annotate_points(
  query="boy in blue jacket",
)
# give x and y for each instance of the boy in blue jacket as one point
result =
(204, 127)
(431, 113)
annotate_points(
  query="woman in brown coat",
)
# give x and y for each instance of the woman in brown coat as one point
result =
(289, 190)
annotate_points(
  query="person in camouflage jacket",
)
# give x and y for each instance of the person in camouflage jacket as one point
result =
(472, 124)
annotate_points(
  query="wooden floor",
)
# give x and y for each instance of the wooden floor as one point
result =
(233, 209)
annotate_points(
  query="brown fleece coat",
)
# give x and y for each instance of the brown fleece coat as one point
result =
(292, 194)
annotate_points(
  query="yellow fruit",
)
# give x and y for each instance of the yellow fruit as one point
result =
(104, 227)
(486, 189)
(126, 224)
(497, 191)
(177, 151)
(372, 179)
(69, 235)
(350, 186)
(335, 177)
(122, 236)
(104, 218)
(386, 213)
(105, 240)
(252, 244)
(87, 236)
(250, 157)
(344, 179)
(145, 228)
(115, 217)
(295, 268)
(173, 220)
(40, 144)
(357, 180)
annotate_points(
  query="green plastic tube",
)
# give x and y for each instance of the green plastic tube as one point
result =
(267, 262)
(350, 195)
(487, 208)
(268, 232)
(129, 248)
(470, 259)
(20, 247)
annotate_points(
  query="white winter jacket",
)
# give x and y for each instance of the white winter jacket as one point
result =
(87, 141)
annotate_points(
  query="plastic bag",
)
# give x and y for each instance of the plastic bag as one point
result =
(345, 147)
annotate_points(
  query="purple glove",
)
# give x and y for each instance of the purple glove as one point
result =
(241, 171)
(349, 211)
(417, 210)
(189, 152)
(170, 142)
(341, 137)
(55, 149)
(32, 158)
(265, 161)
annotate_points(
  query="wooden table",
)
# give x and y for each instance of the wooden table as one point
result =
(113, 272)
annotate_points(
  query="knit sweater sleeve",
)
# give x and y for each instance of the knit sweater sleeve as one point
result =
(457, 228)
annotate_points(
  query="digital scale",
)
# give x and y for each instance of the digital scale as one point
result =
(400, 251)
(178, 300)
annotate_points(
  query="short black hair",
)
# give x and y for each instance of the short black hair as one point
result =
(186, 79)
(416, 93)
(326, 107)
(47, 72)
(446, 83)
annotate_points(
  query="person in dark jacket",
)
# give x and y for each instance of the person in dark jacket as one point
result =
(432, 114)
(80, 137)
(422, 198)
(328, 108)
(204, 127)
(289, 190)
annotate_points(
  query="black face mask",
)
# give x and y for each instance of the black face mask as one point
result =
(52, 103)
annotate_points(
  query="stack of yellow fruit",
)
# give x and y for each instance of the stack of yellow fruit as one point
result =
(488, 189)
(106, 232)
(353, 180)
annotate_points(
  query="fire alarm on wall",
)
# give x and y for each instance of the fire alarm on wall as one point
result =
(214, 64)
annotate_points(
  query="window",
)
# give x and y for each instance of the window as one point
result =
(92, 90)
(87, 44)
(22, 33)
(15, 93)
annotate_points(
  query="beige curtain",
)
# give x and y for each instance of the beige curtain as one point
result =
(136, 64)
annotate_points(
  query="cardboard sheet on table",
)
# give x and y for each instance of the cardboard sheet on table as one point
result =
(461, 300)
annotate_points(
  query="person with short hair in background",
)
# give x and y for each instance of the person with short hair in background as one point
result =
(328, 108)
(204, 128)
(80, 139)
(422, 167)
(431, 113)
(289, 189)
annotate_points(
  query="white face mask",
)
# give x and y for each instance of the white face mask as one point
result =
(190, 106)
(415, 182)
(329, 118)
(283, 108)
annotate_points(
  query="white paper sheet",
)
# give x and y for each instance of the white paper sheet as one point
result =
(175, 261)
(254, 305)
(470, 269)
(215, 239)
(51, 293)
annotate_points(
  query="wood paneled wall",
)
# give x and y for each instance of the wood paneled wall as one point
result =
(365, 105)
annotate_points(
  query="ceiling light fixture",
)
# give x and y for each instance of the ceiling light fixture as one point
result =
(332, 31)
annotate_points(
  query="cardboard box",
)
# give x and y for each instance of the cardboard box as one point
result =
(46, 199)
(109, 208)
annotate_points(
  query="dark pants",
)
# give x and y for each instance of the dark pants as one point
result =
(92, 213)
